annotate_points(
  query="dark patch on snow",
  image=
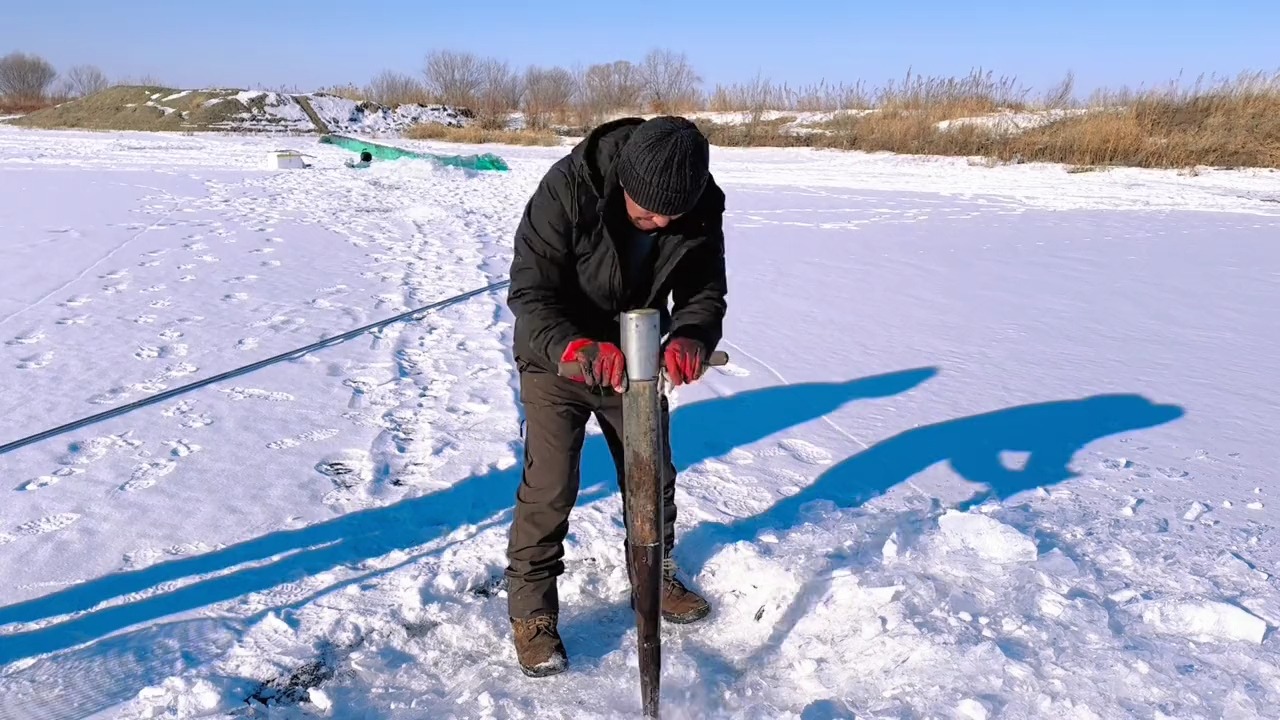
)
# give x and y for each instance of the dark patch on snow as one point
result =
(343, 474)
(421, 628)
(492, 587)
(293, 689)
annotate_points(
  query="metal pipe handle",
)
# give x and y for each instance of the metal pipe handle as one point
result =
(719, 358)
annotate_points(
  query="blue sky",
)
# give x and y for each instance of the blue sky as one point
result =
(290, 43)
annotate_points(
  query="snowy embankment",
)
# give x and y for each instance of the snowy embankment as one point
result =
(239, 111)
(995, 442)
(1004, 122)
(279, 111)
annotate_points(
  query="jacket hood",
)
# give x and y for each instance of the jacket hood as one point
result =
(597, 154)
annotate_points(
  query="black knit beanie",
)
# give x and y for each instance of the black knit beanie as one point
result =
(664, 165)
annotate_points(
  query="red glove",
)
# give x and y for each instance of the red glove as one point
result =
(602, 363)
(683, 359)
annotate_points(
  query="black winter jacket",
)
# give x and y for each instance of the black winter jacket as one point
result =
(566, 276)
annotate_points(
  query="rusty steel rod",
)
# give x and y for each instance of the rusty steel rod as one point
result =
(642, 494)
(643, 451)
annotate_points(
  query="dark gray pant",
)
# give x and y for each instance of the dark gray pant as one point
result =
(556, 413)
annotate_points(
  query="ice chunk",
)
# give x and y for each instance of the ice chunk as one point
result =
(319, 699)
(1204, 621)
(971, 709)
(987, 537)
(1197, 509)
(890, 549)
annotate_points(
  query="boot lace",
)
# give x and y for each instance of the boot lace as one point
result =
(543, 625)
(671, 583)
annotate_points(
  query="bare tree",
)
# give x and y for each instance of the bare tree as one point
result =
(455, 77)
(25, 78)
(670, 82)
(501, 89)
(84, 80)
(393, 88)
(548, 94)
(612, 87)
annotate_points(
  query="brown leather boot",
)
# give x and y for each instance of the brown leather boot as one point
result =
(680, 605)
(538, 645)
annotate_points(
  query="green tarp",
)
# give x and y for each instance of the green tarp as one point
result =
(387, 152)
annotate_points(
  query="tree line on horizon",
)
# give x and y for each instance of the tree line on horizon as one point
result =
(662, 81)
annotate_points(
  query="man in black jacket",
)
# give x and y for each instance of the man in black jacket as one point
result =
(630, 219)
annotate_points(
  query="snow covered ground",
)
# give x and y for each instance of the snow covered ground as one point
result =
(995, 443)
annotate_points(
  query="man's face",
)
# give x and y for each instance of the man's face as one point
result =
(645, 220)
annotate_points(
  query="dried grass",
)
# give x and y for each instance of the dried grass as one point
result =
(1226, 123)
(477, 135)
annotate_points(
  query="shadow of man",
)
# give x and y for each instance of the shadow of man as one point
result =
(1051, 433)
(707, 428)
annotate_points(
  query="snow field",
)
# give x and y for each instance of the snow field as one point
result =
(995, 443)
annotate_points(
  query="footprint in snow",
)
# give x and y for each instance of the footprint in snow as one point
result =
(147, 353)
(30, 338)
(271, 263)
(806, 452)
(262, 251)
(182, 448)
(115, 289)
(241, 279)
(114, 275)
(235, 297)
(74, 320)
(111, 396)
(241, 393)
(180, 370)
(76, 301)
(46, 480)
(296, 440)
(94, 449)
(148, 474)
(149, 263)
(186, 278)
(154, 289)
(347, 468)
(171, 334)
(187, 416)
(248, 343)
(48, 524)
(35, 362)
(144, 319)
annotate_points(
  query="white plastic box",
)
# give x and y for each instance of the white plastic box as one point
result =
(285, 160)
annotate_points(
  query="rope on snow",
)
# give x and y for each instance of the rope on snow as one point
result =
(410, 315)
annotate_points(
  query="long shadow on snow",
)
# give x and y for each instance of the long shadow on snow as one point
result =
(704, 429)
(1052, 433)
